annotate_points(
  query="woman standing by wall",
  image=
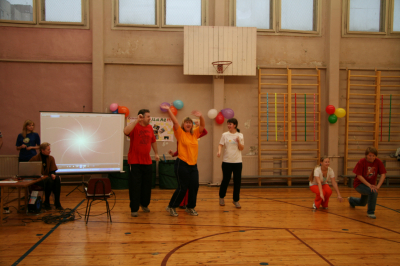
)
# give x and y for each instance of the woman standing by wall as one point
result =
(27, 142)
(233, 144)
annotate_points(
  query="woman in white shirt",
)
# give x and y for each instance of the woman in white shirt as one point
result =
(233, 144)
(319, 184)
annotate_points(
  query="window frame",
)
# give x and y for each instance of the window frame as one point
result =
(160, 18)
(38, 9)
(275, 20)
(391, 20)
(43, 22)
(388, 15)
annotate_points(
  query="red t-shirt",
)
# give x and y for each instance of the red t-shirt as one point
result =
(140, 144)
(368, 170)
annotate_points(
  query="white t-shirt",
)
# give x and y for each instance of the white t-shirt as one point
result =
(324, 180)
(232, 154)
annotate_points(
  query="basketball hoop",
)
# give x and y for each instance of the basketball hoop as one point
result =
(221, 66)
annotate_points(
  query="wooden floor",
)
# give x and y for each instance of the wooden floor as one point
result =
(276, 226)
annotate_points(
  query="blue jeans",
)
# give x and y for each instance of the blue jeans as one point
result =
(367, 196)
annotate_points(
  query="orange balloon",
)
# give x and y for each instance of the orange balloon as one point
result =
(174, 110)
(123, 110)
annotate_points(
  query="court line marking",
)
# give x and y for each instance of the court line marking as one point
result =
(169, 254)
(388, 208)
(332, 214)
(43, 238)
(298, 238)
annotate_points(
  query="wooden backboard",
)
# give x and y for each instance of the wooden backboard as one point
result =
(206, 44)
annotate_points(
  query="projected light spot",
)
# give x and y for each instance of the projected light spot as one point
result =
(81, 140)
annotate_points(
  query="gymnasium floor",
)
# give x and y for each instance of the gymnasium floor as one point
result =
(276, 226)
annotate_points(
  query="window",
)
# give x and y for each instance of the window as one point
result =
(277, 16)
(371, 18)
(161, 14)
(60, 13)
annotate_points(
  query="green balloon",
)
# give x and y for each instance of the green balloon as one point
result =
(332, 119)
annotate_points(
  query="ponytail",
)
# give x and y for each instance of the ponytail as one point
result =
(321, 159)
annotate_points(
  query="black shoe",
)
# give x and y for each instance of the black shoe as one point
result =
(59, 208)
(182, 207)
(46, 206)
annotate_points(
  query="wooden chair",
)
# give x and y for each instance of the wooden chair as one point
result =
(98, 189)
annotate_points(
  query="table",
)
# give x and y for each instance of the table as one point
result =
(23, 183)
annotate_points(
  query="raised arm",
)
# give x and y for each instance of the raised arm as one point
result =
(202, 121)
(172, 116)
(128, 129)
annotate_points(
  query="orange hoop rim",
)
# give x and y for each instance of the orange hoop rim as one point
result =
(219, 66)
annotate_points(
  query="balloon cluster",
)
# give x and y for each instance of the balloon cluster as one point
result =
(115, 109)
(334, 113)
(220, 116)
(178, 104)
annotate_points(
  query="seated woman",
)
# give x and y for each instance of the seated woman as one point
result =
(319, 184)
(52, 182)
(27, 142)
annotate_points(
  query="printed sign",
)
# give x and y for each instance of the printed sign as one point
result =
(162, 127)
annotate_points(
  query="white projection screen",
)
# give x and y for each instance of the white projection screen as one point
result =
(84, 142)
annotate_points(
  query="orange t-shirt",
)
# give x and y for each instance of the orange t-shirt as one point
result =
(188, 145)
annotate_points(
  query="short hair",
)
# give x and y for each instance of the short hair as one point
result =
(44, 145)
(183, 122)
(143, 111)
(371, 150)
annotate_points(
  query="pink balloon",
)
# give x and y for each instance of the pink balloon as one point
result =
(228, 113)
(113, 107)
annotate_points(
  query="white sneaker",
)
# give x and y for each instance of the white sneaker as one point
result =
(221, 202)
(134, 214)
(171, 211)
(191, 211)
(145, 209)
(237, 205)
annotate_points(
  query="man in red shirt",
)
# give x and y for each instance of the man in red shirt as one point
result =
(142, 139)
(367, 170)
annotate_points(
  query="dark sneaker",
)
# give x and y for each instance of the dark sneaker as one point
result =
(182, 207)
(59, 208)
(134, 214)
(46, 206)
(351, 205)
(145, 209)
(191, 211)
(372, 216)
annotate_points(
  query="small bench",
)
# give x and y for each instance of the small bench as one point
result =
(349, 179)
(288, 177)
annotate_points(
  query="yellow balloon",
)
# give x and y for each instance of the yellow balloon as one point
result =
(340, 112)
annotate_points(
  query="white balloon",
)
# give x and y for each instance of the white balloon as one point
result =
(212, 113)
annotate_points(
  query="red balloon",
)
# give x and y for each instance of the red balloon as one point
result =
(220, 118)
(173, 110)
(330, 109)
(123, 110)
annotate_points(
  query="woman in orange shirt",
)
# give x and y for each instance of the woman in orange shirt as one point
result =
(186, 164)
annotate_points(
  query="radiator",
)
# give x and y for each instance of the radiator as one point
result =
(8, 165)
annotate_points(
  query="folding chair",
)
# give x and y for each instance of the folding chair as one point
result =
(98, 189)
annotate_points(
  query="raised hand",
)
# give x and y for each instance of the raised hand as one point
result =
(196, 113)
(165, 106)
